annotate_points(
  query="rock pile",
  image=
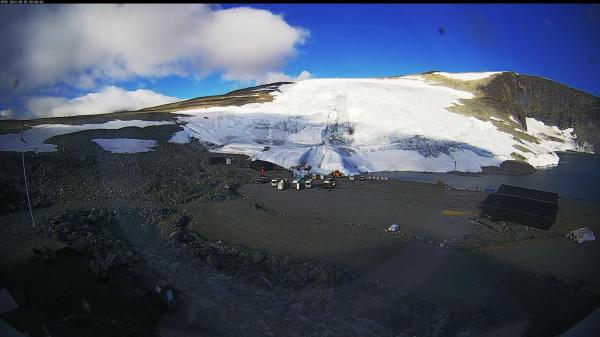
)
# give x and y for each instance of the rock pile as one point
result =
(257, 267)
(497, 232)
(87, 232)
(95, 233)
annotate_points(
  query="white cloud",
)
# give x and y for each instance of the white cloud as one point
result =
(79, 45)
(110, 99)
(247, 43)
(6, 113)
(278, 76)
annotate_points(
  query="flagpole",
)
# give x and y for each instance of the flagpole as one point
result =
(25, 177)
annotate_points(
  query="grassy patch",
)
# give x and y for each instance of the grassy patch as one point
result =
(259, 94)
(517, 156)
(552, 138)
(521, 148)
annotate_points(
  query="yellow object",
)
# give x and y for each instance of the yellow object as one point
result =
(458, 213)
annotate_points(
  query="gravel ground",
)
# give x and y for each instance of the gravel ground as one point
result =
(248, 260)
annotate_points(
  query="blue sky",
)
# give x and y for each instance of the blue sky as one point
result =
(559, 42)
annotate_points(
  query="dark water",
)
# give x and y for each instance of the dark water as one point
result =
(577, 176)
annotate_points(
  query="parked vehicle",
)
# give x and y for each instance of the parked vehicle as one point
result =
(328, 184)
(308, 184)
(296, 185)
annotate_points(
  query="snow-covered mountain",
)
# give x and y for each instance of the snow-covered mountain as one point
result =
(421, 122)
(433, 122)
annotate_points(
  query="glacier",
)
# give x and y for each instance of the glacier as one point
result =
(366, 125)
(352, 125)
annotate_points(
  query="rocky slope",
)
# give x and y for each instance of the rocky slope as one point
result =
(256, 94)
(547, 101)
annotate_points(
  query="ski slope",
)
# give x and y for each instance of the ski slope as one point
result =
(366, 125)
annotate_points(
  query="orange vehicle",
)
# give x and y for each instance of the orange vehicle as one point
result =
(336, 174)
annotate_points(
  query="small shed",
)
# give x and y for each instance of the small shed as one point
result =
(264, 166)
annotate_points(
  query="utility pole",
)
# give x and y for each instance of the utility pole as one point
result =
(454, 182)
(25, 177)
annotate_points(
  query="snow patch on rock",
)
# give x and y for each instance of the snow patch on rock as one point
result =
(35, 137)
(126, 145)
(551, 139)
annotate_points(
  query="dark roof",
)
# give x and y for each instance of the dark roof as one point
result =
(268, 166)
(528, 193)
(522, 205)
